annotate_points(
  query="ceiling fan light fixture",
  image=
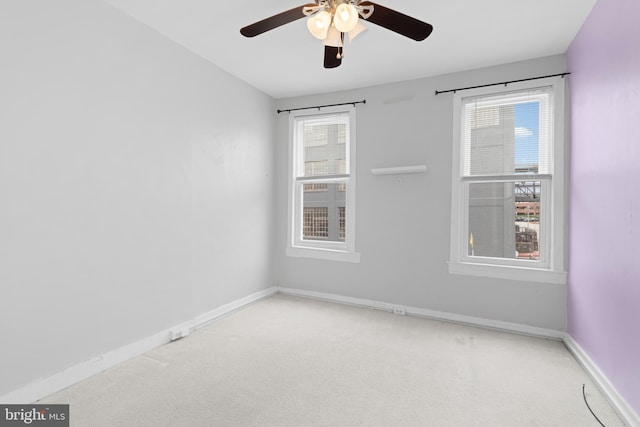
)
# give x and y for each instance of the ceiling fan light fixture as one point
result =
(345, 18)
(334, 37)
(331, 20)
(359, 28)
(319, 24)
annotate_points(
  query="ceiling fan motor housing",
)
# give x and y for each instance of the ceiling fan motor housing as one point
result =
(332, 5)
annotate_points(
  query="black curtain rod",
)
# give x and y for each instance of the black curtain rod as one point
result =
(364, 101)
(501, 83)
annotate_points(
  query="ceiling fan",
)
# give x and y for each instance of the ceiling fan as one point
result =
(330, 20)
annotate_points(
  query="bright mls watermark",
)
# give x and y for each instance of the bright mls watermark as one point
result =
(34, 415)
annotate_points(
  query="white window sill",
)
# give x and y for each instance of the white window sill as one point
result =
(326, 254)
(508, 272)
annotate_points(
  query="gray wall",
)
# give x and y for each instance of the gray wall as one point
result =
(136, 183)
(402, 231)
(138, 191)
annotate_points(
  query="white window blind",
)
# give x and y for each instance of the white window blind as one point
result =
(324, 146)
(509, 134)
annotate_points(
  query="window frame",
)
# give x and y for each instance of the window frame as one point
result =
(551, 267)
(297, 246)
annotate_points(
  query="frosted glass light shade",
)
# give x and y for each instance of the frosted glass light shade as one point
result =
(333, 37)
(359, 28)
(319, 24)
(345, 18)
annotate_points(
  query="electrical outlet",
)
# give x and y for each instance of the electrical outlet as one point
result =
(398, 309)
(176, 334)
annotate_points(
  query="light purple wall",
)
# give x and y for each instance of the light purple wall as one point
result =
(604, 250)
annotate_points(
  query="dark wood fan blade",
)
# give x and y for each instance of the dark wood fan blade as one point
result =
(274, 21)
(398, 22)
(331, 59)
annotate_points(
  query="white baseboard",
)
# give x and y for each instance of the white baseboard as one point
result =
(430, 314)
(46, 386)
(227, 309)
(625, 411)
(619, 404)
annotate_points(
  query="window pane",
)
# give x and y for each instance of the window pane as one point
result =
(316, 223)
(504, 219)
(317, 167)
(324, 212)
(325, 148)
(315, 187)
(507, 135)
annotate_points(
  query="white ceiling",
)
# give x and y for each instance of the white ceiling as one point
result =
(287, 61)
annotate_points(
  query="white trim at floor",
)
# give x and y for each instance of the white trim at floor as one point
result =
(617, 401)
(430, 314)
(46, 386)
(625, 411)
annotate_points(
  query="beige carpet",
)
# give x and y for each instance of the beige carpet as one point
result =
(287, 361)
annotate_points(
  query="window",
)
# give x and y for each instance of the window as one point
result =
(508, 182)
(322, 185)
